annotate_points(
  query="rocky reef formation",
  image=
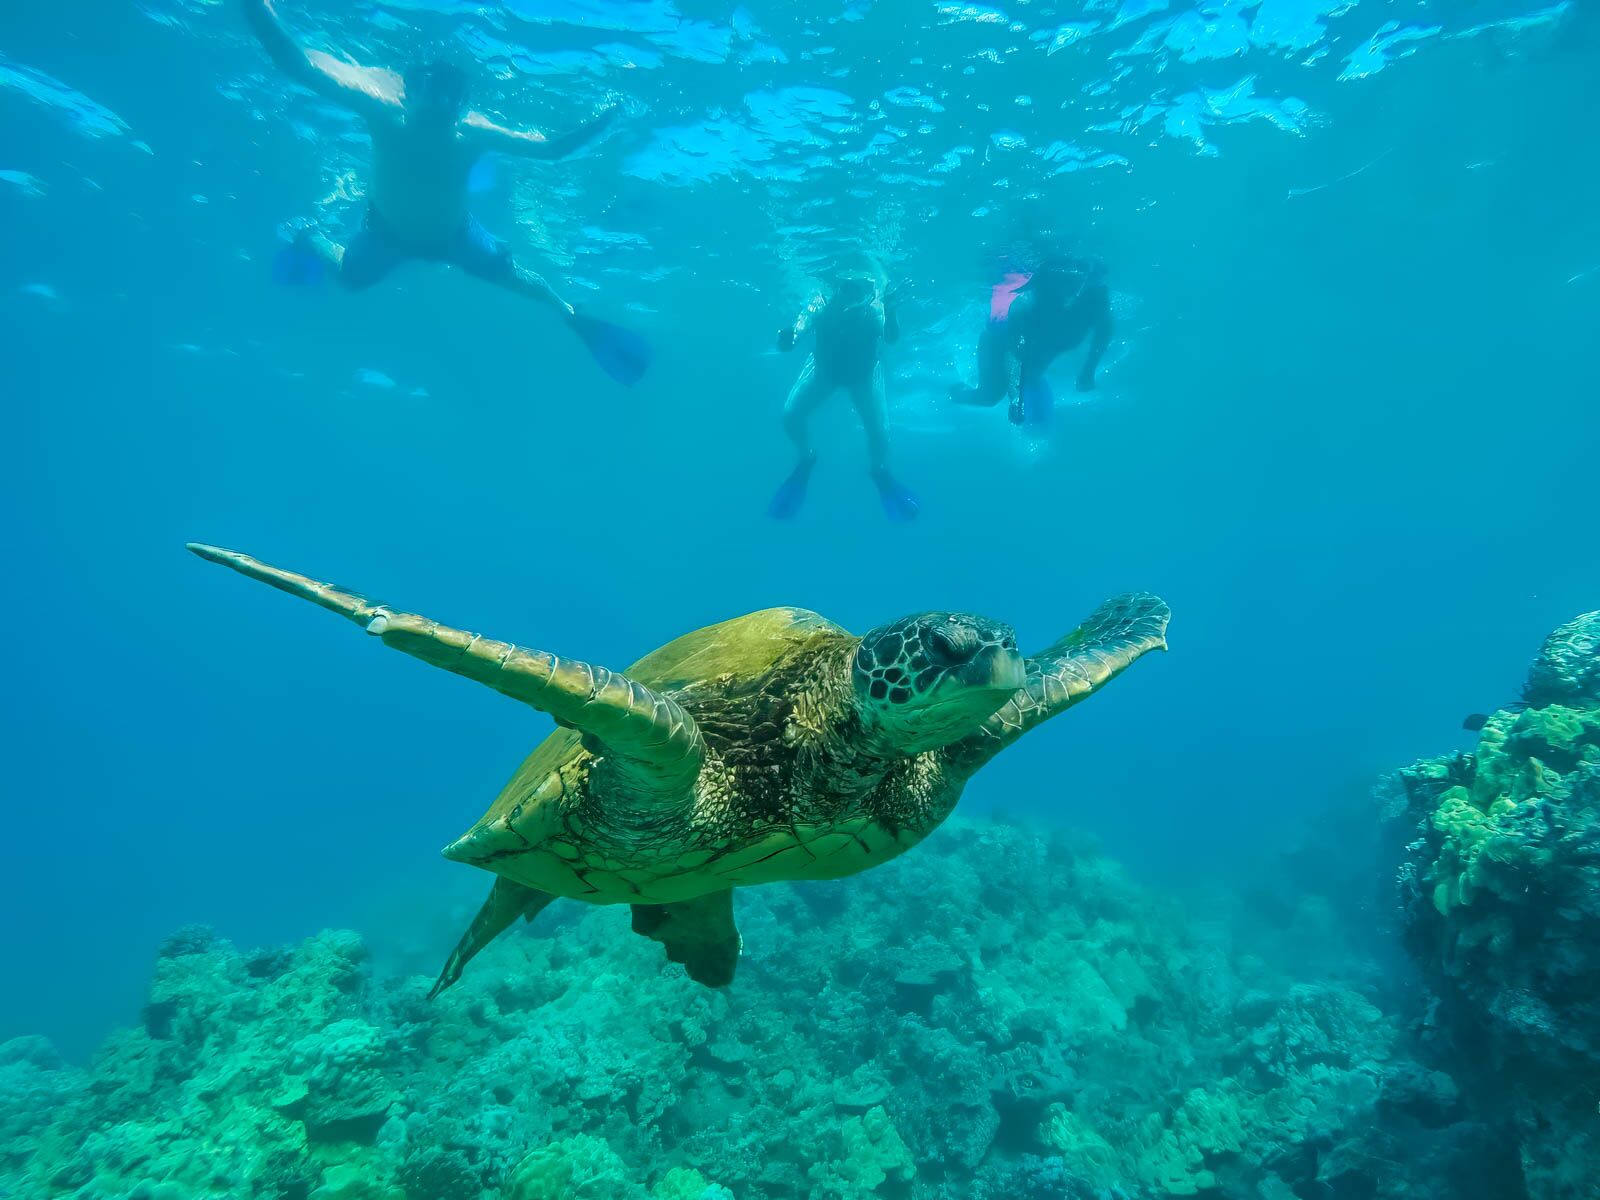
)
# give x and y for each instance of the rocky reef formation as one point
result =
(996, 1017)
(999, 1016)
(1500, 893)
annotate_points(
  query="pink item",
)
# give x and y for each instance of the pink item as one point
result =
(1003, 293)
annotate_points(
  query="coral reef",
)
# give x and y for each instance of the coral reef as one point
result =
(1500, 893)
(997, 1017)
(1000, 1016)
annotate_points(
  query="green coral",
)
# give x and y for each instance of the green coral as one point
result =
(37, 1089)
(1079, 1143)
(1482, 850)
(583, 1167)
(336, 1082)
(872, 1153)
(1307, 1069)
(999, 1017)
(349, 1182)
(685, 1183)
(1496, 840)
(1501, 894)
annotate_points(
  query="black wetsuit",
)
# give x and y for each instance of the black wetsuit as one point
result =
(1016, 350)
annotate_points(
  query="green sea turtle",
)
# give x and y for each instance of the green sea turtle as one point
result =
(774, 746)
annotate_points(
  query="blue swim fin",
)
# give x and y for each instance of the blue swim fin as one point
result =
(1038, 404)
(899, 503)
(620, 353)
(299, 265)
(791, 494)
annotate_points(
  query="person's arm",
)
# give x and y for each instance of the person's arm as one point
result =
(789, 334)
(366, 92)
(1099, 340)
(531, 144)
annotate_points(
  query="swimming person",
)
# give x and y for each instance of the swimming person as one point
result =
(425, 142)
(849, 330)
(1033, 320)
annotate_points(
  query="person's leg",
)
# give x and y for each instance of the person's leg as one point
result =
(478, 252)
(872, 407)
(536, 287)
(320, 244)
(899, 504)
(313, 258)
(308, 259)
(805, 396)
(620, 353)
(363, 261)
(994, 371)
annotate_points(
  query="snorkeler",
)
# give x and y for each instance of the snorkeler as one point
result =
(850, 329)
(425, 141)
(1033, 320)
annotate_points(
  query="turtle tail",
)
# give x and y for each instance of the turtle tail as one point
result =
(507, 901)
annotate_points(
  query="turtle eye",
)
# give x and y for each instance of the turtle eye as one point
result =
(952, 645)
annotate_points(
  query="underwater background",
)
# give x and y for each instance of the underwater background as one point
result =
(1347, 428)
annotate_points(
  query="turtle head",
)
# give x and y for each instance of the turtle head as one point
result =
(932, 679)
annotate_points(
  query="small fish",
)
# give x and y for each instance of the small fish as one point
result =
(1473, 722)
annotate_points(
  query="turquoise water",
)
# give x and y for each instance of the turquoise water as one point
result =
(1346, 427)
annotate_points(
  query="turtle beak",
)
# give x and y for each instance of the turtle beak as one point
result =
(998, 669)
(976, 663)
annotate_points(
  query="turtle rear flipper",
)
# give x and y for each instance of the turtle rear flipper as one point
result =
(653, 743)
(698, 933)
(507, 901)
(1114, 636)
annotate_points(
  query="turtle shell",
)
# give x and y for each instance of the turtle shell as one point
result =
(728, 658)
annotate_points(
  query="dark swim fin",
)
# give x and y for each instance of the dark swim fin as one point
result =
(299, 265)
(620, 353)
(899, 503)
(791, 493)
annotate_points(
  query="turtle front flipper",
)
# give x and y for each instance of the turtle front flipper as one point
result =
(1115, 635)
(653, 743)
(698, 933)
(507, 901)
